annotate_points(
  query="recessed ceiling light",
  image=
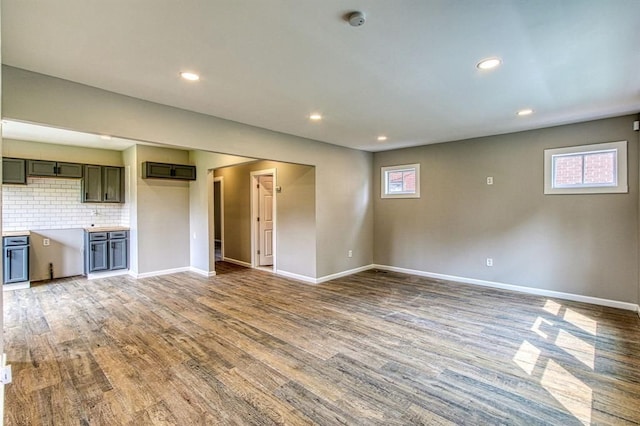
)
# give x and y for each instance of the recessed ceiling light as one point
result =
(105, 137)
(190, 76)
(382, 138)
(315, 116)
(526, 111)
(489, 63)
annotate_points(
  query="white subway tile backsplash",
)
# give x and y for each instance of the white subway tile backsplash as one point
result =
(51, 203)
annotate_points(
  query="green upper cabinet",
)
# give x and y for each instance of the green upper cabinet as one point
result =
(112, 184)
(103, 184)
(92, 184)
(168, 171)
(53, 169)
(14, 171)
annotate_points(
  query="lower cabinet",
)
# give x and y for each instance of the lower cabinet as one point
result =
(16, 259)
(106, 251)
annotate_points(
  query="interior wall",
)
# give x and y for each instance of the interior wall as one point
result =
(344, 213)
(130, 160)
(163, 214)
(295, 214)
(581, 244)
(70, 154)
(201, 207)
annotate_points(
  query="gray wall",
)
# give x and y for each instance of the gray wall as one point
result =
(582, 244)
(72, 154)
(201, 211)
(295, 214)
(162, 214)
(344, 213)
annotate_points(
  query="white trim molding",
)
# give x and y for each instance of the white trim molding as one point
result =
(326, 278)
(107, 274)
(530, 290)
(161, 272)
(237, 262)
(202, 272)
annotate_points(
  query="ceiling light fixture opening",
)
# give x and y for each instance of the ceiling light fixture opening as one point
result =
(315, 116)
(189, 76)
(489, 63)
(382, 138)
(526, 111)
(105, 137)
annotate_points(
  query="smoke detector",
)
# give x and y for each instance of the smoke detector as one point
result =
(356, 19)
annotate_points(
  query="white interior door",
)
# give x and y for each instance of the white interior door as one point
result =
(265, 220)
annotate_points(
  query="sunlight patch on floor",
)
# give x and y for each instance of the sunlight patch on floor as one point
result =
(568, 390)
(581, 321)
(527, 357)
(583, 351)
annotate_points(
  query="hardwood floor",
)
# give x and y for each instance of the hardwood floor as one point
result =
(246, 347)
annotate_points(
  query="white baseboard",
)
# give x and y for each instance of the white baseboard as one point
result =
(320, 280)
(343, 274)
(237, 262)
(161, 272)
(303, 278)
(106, 274)
(521, 289)
(202, 272)
(16, 286)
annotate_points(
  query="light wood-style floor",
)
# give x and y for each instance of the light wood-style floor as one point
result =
(246, 347)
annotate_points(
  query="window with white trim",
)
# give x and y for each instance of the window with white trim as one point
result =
(586, 169)
(400, 181)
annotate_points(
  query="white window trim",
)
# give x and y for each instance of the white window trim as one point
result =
(621, 169)
(383, 181)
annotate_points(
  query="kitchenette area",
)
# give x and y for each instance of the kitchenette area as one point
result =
(59, 218)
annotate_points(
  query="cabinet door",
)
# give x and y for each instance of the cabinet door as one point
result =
(41, 168)
(112, 184)
(156, 170)
(69, 170)
(118, 254)
(92, 184)
(13, 170)
(98, 256)
(16, 264)
(184, 172)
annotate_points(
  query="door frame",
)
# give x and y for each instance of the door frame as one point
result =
(255, 261)
(221, 197)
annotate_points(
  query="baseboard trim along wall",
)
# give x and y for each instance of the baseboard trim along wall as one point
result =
(512, 287)
(305, 279)
(237, 262)
(320, 280)
(107, 274)
(161, 272)
(202, 272)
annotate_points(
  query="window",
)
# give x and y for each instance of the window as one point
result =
(401, 181)
(586, 169)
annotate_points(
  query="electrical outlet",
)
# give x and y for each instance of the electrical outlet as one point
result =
(489, 261)
(350, 253)
(489, 180)
(5, 376)
(46, 242)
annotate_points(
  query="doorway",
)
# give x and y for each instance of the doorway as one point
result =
(218, 218)
(263, 219)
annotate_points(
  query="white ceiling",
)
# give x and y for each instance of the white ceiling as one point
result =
(37, 133)
(408, 73)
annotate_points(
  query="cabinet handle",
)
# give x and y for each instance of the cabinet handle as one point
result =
(86, 195)
(106, 196)
(113, 246)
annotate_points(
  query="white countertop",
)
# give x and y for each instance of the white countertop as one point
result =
(106, 228)
(16, 233)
